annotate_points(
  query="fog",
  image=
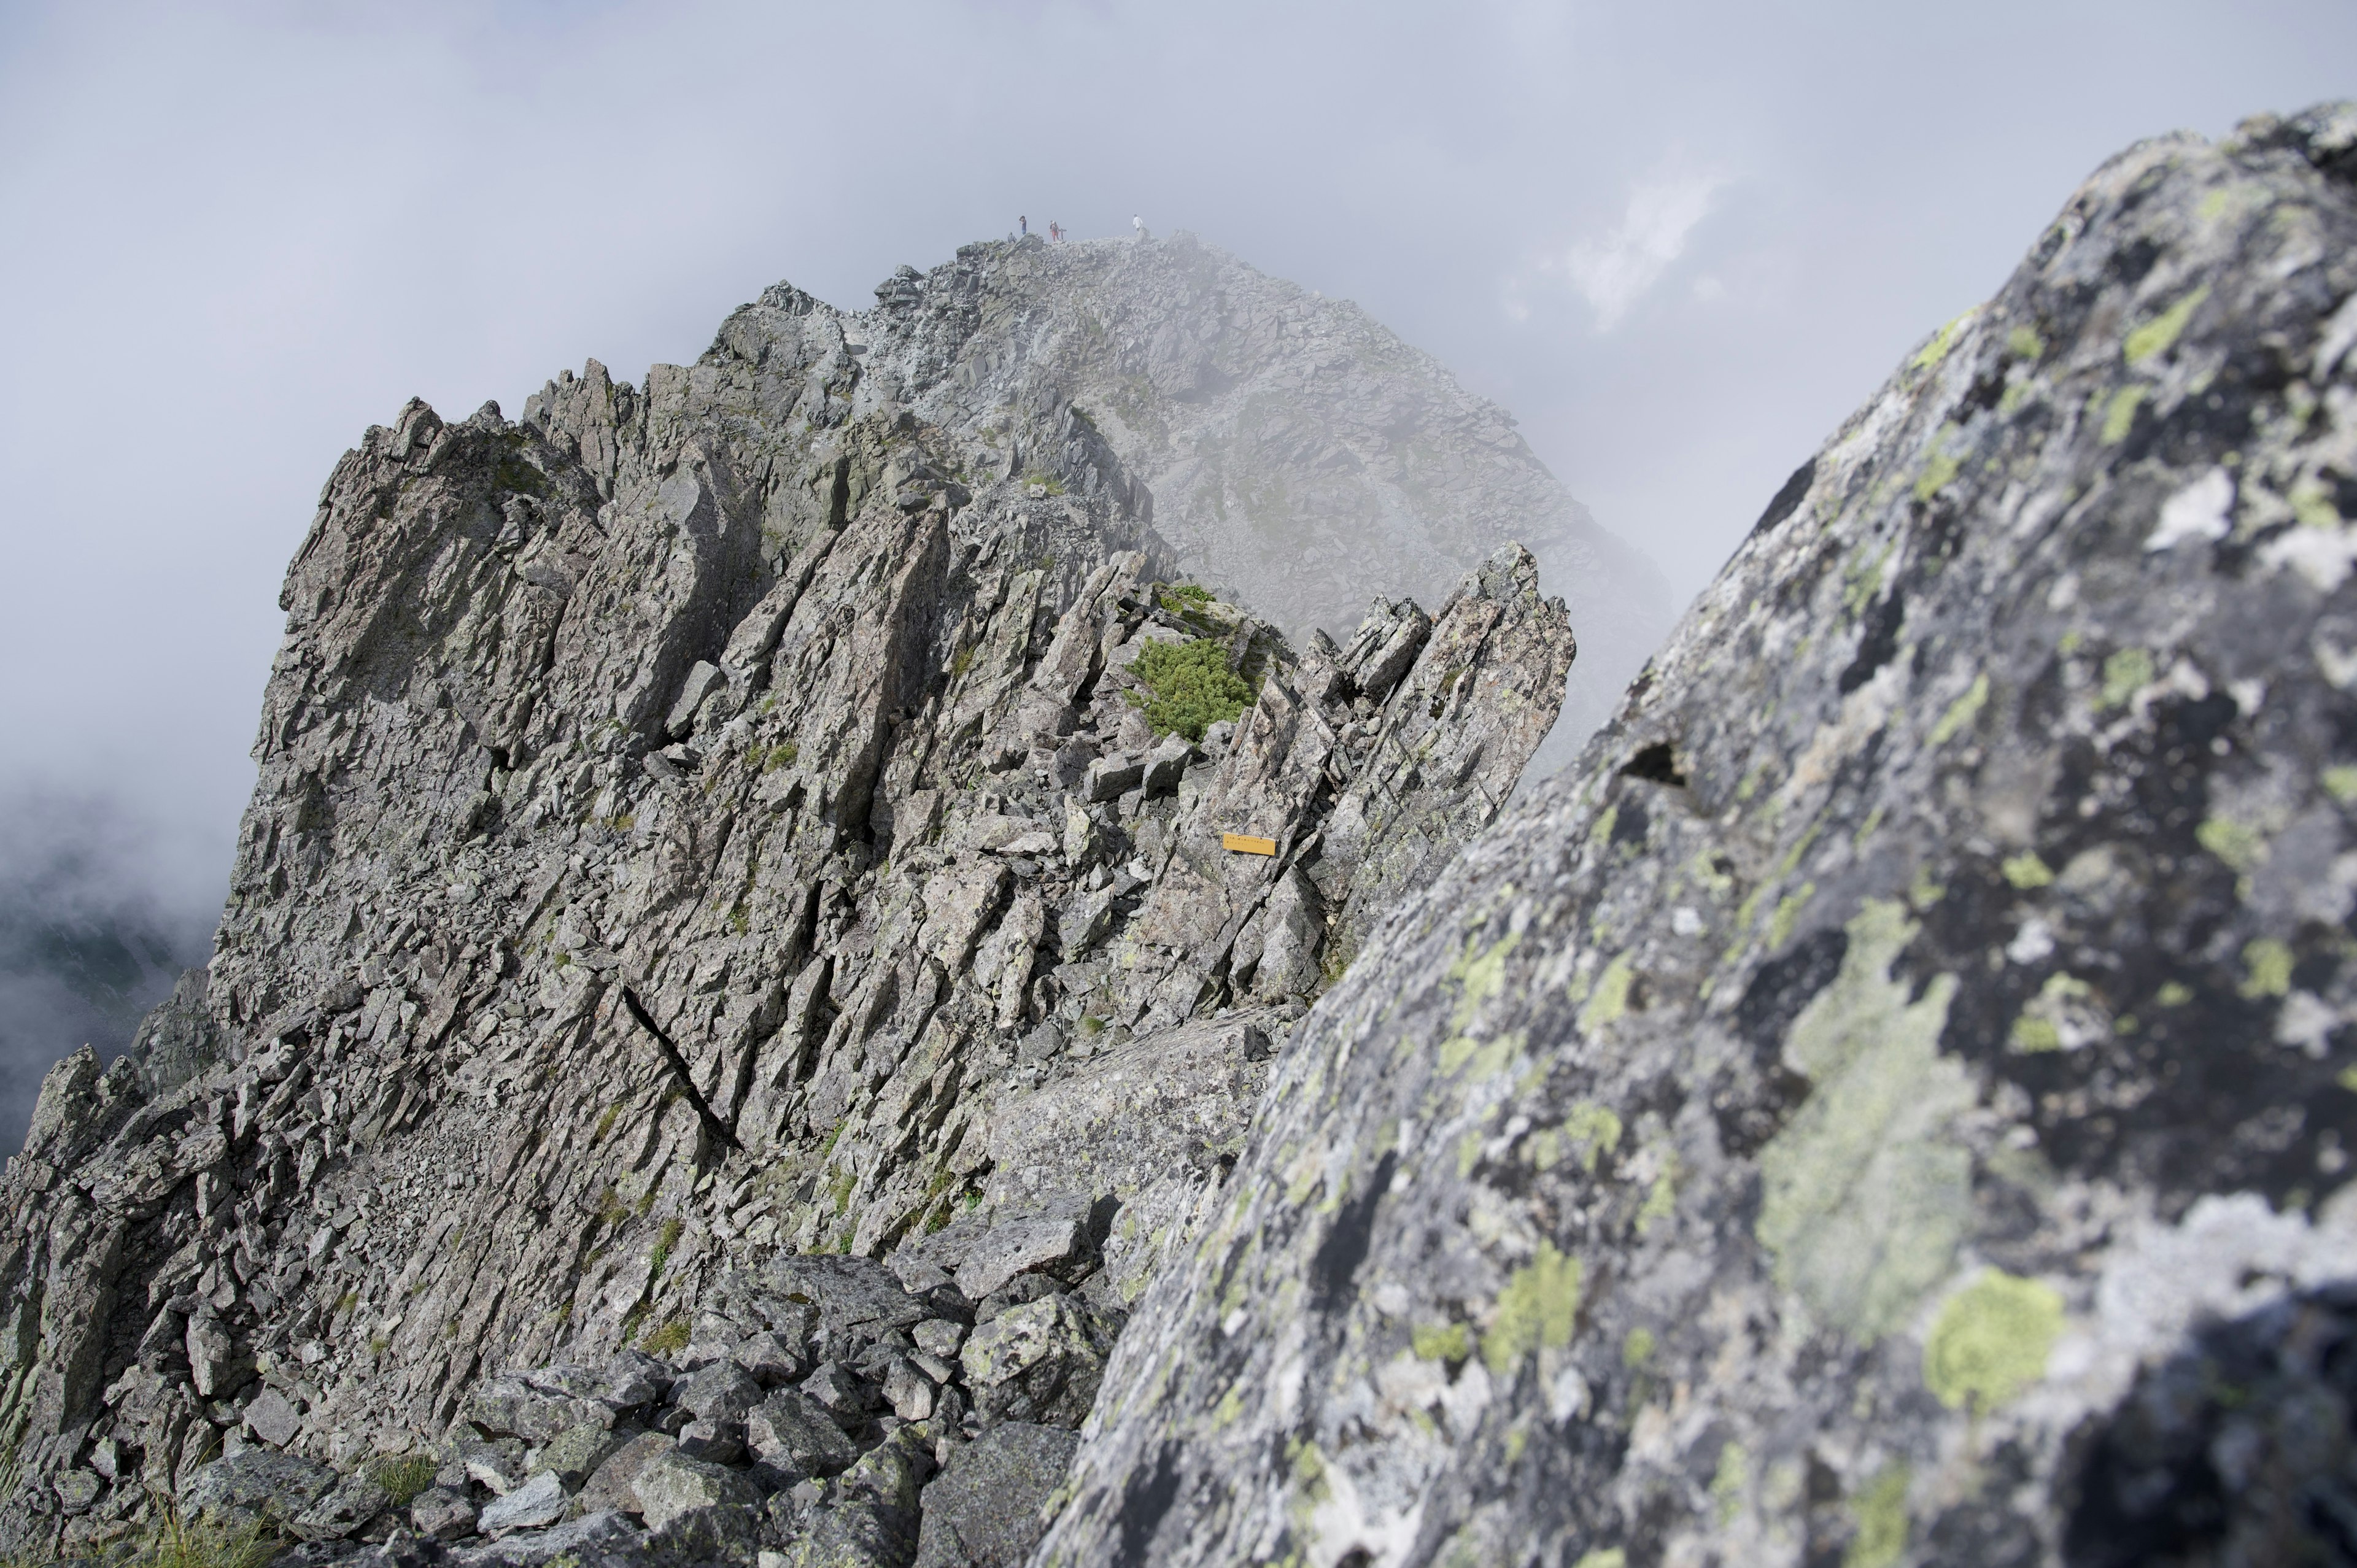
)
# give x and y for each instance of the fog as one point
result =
(1680, 240)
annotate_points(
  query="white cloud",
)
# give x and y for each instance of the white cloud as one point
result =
(1612, 273)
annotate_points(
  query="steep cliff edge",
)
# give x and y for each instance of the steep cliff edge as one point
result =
(1892, 1102)
(709, 838)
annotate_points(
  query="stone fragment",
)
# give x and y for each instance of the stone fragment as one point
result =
(939, 1337)
(513, 1407)
(496, 1463)
(721, 1392)
(908, 1391)
(632, 1381)
(1111, 778)
(78, 1490)
(794, 1435)
(1166, 764)
(841, 1393)
(613, 1485)
(575, 1453)
(769, 1359)
(258, 1482)
(273, 1419)
(1040, 1362)
(537, 1502)
(348, 1506)
(728, 1533)
(720, 1441)
(440, 1514)
(983, 1509)
(1018, 1247)
(670, 1484)
(702, 681)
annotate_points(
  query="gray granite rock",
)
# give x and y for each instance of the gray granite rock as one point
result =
(983, 1509)
(669, 1484)
(537, 1503)
(1890, 1101)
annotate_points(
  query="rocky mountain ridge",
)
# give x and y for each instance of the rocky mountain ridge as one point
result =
(1889, 1103)
(708, 835)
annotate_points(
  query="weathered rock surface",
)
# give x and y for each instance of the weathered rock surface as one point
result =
(676, 889)
(1893, 1101)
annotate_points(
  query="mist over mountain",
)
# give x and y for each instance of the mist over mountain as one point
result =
(91, 936)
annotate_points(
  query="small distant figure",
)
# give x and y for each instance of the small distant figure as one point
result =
(1137, 223)
(1055, 231)
(1023, 228)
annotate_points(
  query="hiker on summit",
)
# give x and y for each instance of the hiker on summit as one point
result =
(1137, 223)
(1023, 227)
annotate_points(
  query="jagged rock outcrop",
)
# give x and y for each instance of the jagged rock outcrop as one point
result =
(1892, 1102)
(1299, 456)
(707, 838)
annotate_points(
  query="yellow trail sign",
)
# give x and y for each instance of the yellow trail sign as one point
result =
(1244, 844)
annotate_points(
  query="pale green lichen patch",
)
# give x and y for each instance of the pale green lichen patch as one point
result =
(1603, 1557)
(2155, 336)
(2119, 414)
(1962, 712)
(2027, 871)
(2125, 673)
(1594, 1130)
(1611, 998)
(2267, 965)
(2339, 781)
(2063, 1015)
(1728, 1483)
(1864, 1192)
(1942, 341)
(2239, 845)
(1482, 975)
(1637, 1349)
(1936, 475)
(1450, 1342)
(2024, 343)
(1991, 1341)
(1881, 1514)
(1788, 914)
(1537, 1309)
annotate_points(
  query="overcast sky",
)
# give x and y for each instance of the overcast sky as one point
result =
(1679, 240)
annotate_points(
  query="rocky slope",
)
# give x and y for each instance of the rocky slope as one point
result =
(1893, 1101)
(711, 838)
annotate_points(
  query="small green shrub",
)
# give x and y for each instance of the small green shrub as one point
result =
(404, 1477)
(175, 1541)
(663, 1244)
(605, 1125)
(779, 755)
(1188, 593)
(668, 1340)
(1189, 686)
(1048, 482)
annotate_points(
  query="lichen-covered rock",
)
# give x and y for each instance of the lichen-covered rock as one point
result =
(670, 1484)
(257, 1484)
(983, 1509)
(1038, 1362)
(1893, 1101)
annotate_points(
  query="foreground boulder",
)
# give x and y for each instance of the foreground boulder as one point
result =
(1894, 1101)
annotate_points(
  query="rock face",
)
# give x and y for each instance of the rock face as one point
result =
(1893, 1101)
(704, 835)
